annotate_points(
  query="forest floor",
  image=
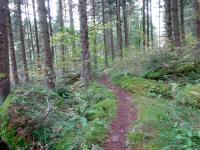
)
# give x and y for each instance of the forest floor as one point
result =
(126, 115)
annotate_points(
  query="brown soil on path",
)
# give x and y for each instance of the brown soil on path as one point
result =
(126, 114)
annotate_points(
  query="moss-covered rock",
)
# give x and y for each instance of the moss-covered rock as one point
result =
(189, 95)
(178, 70)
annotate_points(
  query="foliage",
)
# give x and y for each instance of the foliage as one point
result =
(189, 95)
(38, 117)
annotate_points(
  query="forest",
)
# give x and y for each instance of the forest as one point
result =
(99, 74)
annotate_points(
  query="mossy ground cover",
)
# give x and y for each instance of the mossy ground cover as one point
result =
(36, 117)
(163, 123)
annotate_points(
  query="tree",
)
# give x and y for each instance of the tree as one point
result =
(45, 40)
(168, 20)
(197, 17)
(85, 70)
(4, 52)
(61, 24)
(104, 33)
(148, 23)
(71, 16)
(36, 36)
(119, 30)
(12, 51)
(182, 21)
(175, 23)
(126, 34)
(144, 25)
(95, 35)
(23, 49)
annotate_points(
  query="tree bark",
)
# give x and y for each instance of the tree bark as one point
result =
(71, 16)
(85, 70)
(36, 37)
(111, 35)
(144, 26)
(197, 17)
(126, 34)
(61, 24)
(4, 52)
(175, 23)
(95, 36)
(168, 20)
(148, 23)
(104, 34)
(182, 21)
(12, 52)
(151, 22)
(24, 60)
(45, 40)
(119, 30)
(50, 28)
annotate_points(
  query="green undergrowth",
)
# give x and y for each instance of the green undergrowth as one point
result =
(65, 120)
(168, 117)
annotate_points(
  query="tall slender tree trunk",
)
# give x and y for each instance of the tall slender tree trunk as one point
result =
(111, 35)
(148, 23)
(85, 70)
(71, 17)
(119, 30)
(104, 34)
(24, 60)
(159, 28)
(61, 24)
(50, 27)
(175, 23)
(144, 25)
(182, 21)
(36, 37)
(45, 40)
(4, 52)
(151, 23)
(197, 27)
(12, 52)
(30, 29)
(168, 20)
(95, 36)
(197, 17)
(126, 33)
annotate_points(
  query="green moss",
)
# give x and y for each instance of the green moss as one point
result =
(141, 86)
(184, 68)
(158, 74)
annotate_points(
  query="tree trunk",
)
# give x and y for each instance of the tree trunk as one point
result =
(61, 24)
(95, 36)
(126, 34)
(50, 27)
(45, 40)
(151, 23)
(111, 35)
(148, 23)
(4, 52)
(119, 30)
(24, 61)
(36, 37)
(197, 17)
(182, 22)
(175, 23)
(12, 52)
(71, 16)
(85, 70)
(104, 34)
(168, 20)
(144, 26)
(31, 31)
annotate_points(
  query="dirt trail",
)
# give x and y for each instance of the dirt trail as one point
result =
(126, 114)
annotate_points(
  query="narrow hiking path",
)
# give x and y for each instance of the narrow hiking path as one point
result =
(126, 114)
